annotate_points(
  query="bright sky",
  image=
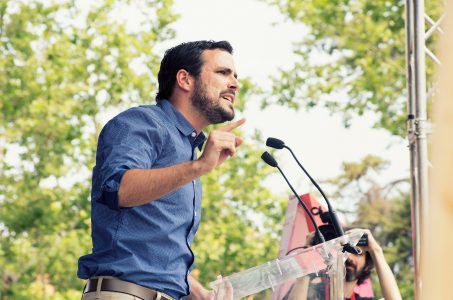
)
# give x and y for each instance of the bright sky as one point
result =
(319, 140)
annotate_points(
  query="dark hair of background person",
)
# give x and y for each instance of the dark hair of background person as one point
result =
(366, 272)
(185, 56)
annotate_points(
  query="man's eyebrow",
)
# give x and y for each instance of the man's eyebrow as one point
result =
(228, 70)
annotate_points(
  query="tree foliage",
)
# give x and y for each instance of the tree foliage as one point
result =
(352, 61)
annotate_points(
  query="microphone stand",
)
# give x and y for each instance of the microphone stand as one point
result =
(279, 144)
(270, 160)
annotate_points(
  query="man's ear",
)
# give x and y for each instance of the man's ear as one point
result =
(184, 80)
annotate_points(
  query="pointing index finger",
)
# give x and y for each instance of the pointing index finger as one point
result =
(233, 125)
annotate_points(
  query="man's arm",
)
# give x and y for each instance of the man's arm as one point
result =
(140, 186)
(387, 281)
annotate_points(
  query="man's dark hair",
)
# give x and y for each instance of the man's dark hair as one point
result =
(367, 269)
(185, 56)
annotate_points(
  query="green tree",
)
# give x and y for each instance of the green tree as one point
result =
(352, 61)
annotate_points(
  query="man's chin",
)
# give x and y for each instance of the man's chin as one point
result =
(230, 116)
(227, 114)
(228, 109)
(221, 116)
(222, 120)
(350, 275)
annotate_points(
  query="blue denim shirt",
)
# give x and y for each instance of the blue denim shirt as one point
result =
(149, 244)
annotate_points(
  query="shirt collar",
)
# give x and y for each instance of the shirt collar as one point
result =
(199, 140)
(182, 124)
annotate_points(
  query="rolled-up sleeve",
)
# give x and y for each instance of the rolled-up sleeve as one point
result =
(132, 140)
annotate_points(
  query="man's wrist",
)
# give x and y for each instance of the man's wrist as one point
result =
(376, 250)
(200, 167)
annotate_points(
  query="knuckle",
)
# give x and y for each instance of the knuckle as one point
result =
(231, 136)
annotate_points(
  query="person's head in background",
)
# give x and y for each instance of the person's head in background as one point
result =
(359, 267)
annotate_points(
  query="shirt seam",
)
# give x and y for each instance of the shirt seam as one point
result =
(117, 230)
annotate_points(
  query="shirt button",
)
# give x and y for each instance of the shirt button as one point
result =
(195, 214)
(193, 134)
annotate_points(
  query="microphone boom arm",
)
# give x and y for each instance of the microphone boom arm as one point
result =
(333, 215)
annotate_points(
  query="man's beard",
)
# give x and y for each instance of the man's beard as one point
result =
(352, 274)
(210, 108)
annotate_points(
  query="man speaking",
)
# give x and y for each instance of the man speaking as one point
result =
(146, 192)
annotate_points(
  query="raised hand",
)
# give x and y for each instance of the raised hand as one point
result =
(220, 145)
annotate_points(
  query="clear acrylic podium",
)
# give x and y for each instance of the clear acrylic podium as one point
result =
(319, 271)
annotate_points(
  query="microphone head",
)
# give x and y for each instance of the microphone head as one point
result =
(269, 159)
(275, 143)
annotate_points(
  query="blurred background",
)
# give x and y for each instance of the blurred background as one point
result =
(327, 77)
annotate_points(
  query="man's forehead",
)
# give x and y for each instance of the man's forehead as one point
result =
(218, 58)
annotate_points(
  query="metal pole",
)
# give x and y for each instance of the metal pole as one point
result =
(417, 128)
(411, 130)
(421, 111)
(417, 131)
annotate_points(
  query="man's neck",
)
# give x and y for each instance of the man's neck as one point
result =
(191, 113)
(348, 288)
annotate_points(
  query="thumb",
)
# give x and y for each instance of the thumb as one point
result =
(239, 140)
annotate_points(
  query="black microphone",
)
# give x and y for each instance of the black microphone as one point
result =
(275, 143)
(270, 160)
(279, 144)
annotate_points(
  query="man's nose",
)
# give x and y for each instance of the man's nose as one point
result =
(234, 84)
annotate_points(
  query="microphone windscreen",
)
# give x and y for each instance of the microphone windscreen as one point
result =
(269, 159)
(275, 143)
